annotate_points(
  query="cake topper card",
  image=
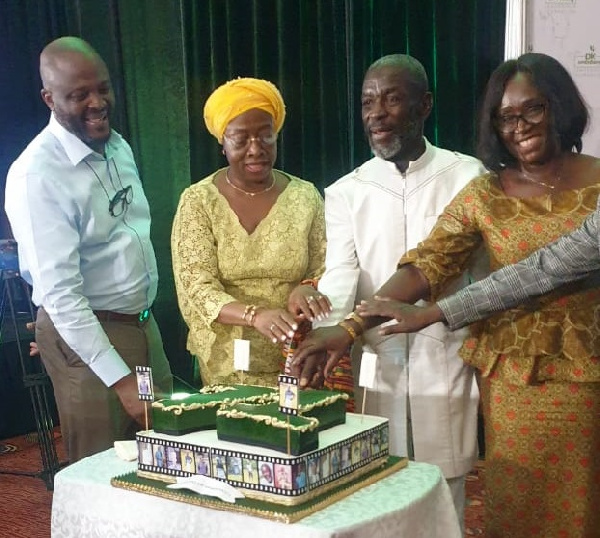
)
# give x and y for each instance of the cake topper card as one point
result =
(143, 375)
(368, 370)
(288, 394)
(241, 354)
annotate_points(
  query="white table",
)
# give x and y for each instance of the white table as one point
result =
(414, 502)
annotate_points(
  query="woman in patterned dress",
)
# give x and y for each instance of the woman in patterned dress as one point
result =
(540, 372)
(244, 239)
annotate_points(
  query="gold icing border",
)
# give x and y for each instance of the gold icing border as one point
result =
(267, 397)
(270, 420)
(268, 512)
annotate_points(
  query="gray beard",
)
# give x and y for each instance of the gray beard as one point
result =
(387, 152)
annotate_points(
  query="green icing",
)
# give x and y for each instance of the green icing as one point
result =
(199, 411)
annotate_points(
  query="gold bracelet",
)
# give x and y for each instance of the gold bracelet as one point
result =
(249, 308)
(252, 315)
(357, 319)
(349, 329)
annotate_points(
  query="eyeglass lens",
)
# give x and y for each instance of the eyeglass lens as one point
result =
(243, 141)
(508, 123)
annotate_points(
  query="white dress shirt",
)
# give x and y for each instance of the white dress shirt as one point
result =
(373, 216)
(78, 257)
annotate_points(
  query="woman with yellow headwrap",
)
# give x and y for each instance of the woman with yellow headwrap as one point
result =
(245, 239)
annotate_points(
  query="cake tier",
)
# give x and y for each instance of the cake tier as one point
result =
(328, 407)
(264, 425)
(345, 452)
(178, 416)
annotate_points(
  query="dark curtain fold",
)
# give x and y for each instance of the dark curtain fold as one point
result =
(296, 45)
(317, 52)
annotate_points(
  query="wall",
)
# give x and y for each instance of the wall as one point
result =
(568, 30)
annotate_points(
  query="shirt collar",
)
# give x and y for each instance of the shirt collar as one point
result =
(75, 149)
(422, 161)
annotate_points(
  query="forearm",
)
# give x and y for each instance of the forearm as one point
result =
(570, 258)
(408, 284)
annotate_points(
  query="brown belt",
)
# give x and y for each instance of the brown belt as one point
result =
(107, 315)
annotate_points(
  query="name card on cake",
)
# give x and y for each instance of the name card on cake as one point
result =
(241, 354)
(143, 375)
(288, 394)
(368, 370)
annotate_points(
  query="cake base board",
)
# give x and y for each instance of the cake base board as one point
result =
(277, 512)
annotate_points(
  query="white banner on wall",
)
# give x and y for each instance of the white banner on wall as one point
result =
(568, 30)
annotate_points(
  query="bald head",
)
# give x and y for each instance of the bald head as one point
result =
(410, 67)
(77, 89)
(60, 51)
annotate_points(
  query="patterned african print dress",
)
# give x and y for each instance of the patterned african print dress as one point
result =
(540, 363)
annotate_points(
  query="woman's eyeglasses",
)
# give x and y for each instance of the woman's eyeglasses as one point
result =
(122, 198)
(509, 123)
(242, 141)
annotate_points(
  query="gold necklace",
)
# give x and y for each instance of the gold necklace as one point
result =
(542, 183)
(247, 193)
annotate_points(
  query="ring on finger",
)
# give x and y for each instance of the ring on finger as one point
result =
(272, 327)
(311, 298)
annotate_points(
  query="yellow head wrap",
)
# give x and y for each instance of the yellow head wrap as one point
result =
(238, 96)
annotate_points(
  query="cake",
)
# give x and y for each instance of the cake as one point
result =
(345, 452)
(239, 435)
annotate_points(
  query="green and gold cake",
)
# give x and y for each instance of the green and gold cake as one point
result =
(239, 435)
(344, 454)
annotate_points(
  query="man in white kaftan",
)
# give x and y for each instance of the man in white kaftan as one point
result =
(373, 216)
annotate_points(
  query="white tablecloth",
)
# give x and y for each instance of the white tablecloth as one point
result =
(414, 502)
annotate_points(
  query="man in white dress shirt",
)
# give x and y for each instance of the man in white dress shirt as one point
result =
(76, 207)
(374, 215)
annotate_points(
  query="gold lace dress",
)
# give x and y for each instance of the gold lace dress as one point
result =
(216, 262)
(540, 363)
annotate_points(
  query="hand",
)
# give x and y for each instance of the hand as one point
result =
(410, 318)
(33, 349)
(312, 373)
(276, 324)
(127, 391)
(324, 344)
(307, 302)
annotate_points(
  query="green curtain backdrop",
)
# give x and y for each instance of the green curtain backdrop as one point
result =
(166, 56)
(317, 52)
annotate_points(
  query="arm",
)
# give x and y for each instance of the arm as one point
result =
(305, 300)
(201, 296)
(570, 258)
(339, 283)
(342, 271)
(425, 270)
(45, 222)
